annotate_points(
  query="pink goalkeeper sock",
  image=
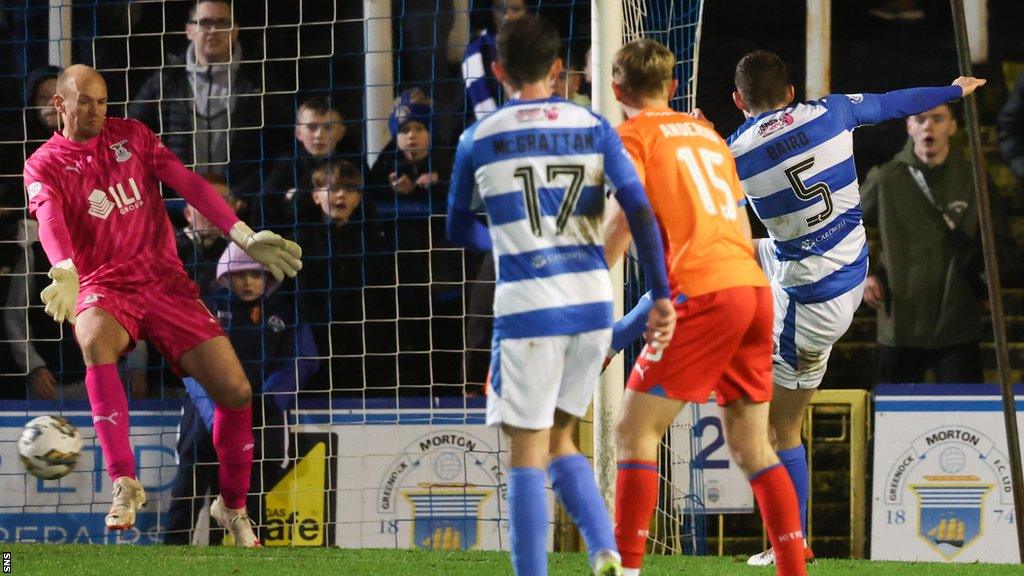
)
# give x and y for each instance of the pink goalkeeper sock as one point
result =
(110, 418)
(232, 439)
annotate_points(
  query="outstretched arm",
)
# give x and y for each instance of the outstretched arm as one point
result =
(199, 193)
(280, 256)
(875, 108)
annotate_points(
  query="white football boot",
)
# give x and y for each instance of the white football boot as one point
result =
(767, 558)
(236, 522)
(129, 497)
(607, 563)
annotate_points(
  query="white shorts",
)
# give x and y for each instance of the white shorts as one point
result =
(531, 377)
(804, 333)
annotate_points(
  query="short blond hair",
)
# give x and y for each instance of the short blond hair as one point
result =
(643, 68)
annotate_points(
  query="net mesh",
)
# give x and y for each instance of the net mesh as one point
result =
(679, 523)
(382, 443)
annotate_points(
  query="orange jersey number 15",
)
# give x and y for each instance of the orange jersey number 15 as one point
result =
(705, 171)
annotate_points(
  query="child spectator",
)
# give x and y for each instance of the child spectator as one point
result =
(409, 177)
(347, 285)
(277, 356)
(409, 183)
(320, 135)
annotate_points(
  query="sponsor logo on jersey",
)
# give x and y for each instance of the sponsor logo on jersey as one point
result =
(99, 206)
(102, 203)
(535, 113)
(773, 125)
(34, 188)
(529, 114)
(92, 298)
(121, 152)
(855, 98)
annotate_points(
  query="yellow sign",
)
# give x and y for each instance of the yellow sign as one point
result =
(295, 506)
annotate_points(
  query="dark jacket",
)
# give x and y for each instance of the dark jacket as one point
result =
(265, 335)
(287, 198)
(931, 303)
(418, 203)
(166, 104)
(347, 295)
(199, 261)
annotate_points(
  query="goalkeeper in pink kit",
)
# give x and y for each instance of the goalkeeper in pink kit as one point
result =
(117, 278)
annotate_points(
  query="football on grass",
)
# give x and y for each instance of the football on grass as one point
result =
(49, 447)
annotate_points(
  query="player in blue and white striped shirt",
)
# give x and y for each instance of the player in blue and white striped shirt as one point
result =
(795, 161)
(538, 166)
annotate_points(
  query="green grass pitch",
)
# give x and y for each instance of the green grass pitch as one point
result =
(73, 560)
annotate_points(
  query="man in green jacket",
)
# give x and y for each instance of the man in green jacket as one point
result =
(926, 282)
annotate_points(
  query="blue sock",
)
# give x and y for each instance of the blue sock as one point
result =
(528, 521)
(574, 484)
(795, 461)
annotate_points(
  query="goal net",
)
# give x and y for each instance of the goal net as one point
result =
(678, 525)
(381, 442)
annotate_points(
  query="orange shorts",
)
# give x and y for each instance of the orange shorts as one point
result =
(722, 343)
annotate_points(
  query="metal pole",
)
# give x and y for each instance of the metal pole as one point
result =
(606, 24)
(380, 75)
(992, 275)
(819, 49)
(59, 52)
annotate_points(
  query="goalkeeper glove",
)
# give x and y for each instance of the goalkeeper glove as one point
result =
(279, 255)
(62, 294)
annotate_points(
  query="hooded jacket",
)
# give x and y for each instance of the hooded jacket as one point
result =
(931, 304)
(216, 96)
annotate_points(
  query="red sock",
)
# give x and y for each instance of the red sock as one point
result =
(636, 493)
(232, 439)
(109, 406)
(780, 512)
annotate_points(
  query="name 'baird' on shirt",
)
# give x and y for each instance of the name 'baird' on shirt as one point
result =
(545, 143)
(787, 145)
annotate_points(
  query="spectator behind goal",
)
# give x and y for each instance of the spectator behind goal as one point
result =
(277, 355)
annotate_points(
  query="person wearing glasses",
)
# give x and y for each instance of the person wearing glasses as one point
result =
(206, 104)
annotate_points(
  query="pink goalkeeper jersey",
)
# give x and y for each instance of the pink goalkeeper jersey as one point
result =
(107, 190)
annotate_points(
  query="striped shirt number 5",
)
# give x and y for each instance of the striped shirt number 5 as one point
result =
(705, 171)
(806, 193)
(569, 200)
